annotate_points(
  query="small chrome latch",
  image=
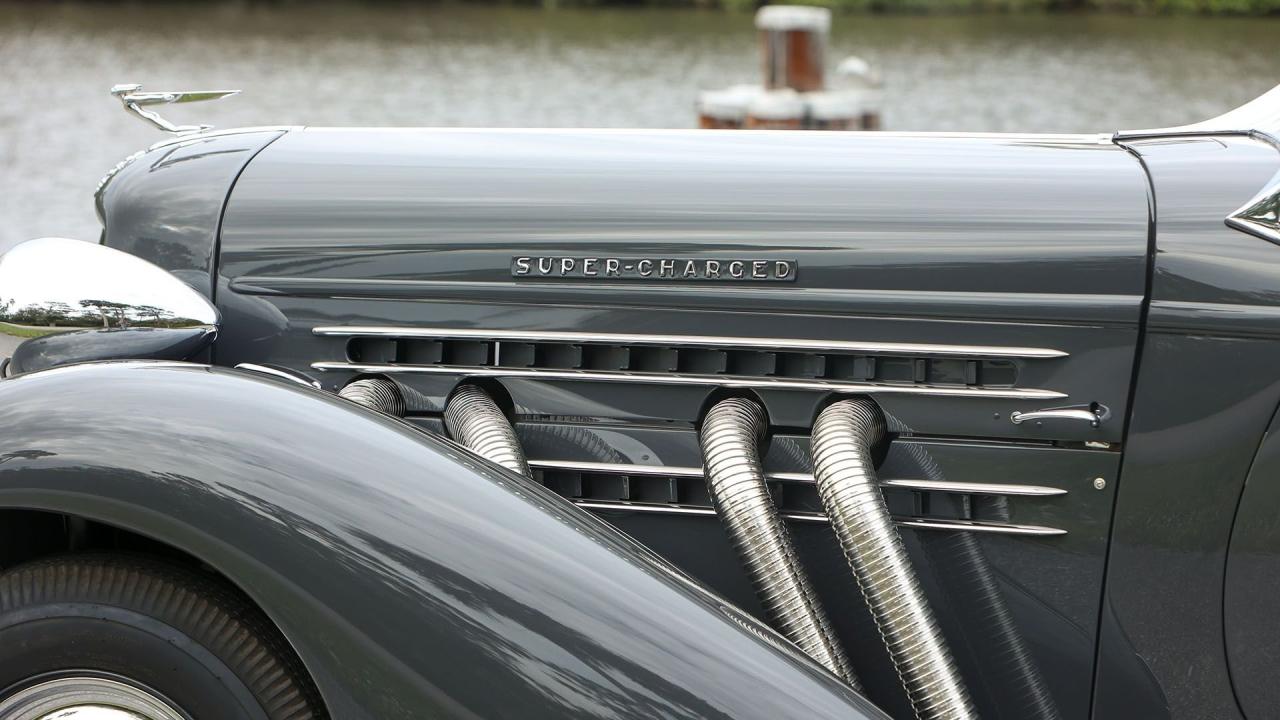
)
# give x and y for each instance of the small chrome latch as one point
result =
(1093, 414)
(134, 100)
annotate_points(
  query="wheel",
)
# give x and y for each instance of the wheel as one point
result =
(106, 637)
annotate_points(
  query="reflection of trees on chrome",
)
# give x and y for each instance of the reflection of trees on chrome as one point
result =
(90, 313)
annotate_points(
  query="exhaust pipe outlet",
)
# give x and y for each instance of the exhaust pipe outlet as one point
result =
(475, 420)
(730, 436)
(377, 394)
(843, 437)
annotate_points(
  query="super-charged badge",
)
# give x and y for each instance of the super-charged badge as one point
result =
(652, 268)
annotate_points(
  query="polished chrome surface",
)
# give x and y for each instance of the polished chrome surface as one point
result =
(134, 100)
(93, 712)
(86, 698)
(708, 341)
(975, 526)
(282, 373)
(729, 440)
(67, 284)
(475, 420)
(1093, 417)
(1261, 215)
(696, 472)
(78, 302)
(378, 394)
(979, 526)
(693, 379)
(972, 488)
(844, 437)
(1259, 117)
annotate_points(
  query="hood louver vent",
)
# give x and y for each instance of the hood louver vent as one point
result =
(690, 361)
(836, 366)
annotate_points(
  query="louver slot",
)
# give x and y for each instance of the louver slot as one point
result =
(682, 491)
(735, 362)
(783, 363)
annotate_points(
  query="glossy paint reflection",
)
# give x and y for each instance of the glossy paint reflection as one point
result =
(1213, 338)
(875, 212)
(412, 578)
(165, 204)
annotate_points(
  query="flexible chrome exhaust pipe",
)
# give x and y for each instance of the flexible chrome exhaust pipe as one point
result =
(729, 439)
(843, 437)
(375, 393)
(475, 420)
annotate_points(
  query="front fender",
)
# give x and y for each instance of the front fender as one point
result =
(413, 579)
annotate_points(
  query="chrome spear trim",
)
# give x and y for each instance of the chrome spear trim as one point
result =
(736, 482)
(844, 436)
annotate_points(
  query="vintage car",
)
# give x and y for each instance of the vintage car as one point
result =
(452, 423)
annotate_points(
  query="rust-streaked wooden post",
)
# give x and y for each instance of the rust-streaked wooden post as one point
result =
(793, 42)
(796, 93)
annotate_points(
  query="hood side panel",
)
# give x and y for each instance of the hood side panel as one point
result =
(165, 204)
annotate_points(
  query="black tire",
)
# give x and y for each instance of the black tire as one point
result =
(176, 633)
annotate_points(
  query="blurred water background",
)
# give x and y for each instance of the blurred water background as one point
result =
(440, 64)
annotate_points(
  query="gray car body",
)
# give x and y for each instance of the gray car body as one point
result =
(1112, 252)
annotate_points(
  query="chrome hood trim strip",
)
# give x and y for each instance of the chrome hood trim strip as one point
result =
(729, 381)
(814, 517)
(968, 488)
(707, 341)
(1259, 117)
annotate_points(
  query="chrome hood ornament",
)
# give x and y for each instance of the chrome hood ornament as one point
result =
(135, 101)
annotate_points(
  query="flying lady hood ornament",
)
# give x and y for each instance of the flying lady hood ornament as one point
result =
(135, 101)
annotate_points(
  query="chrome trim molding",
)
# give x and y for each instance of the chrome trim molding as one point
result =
(689, 379)
(709, 341)
(281, 373)
(814, 517)
(901, 484)
(978, 526)
(1259, 118)
(969, 488)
